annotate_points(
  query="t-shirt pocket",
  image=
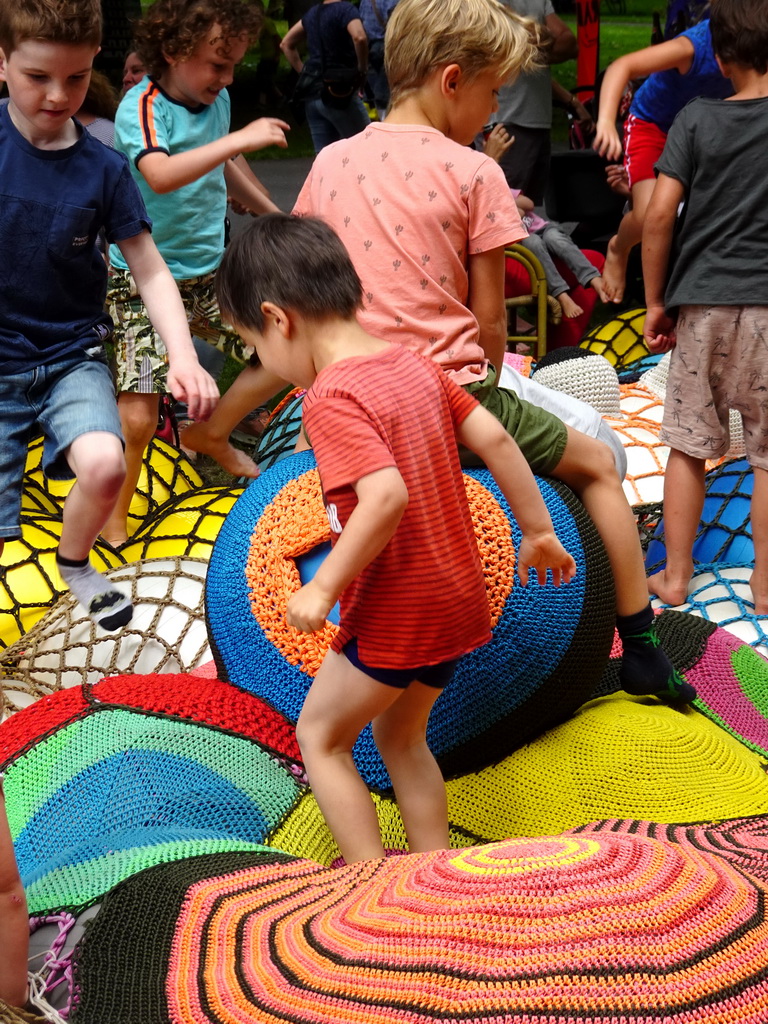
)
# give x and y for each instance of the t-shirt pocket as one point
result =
(70, 231)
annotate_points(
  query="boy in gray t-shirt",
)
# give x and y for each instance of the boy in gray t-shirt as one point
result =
(706, 287)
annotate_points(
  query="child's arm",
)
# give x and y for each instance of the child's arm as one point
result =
(675, 53)
(658, 227)
(245, 189)
(498, 142)
(486, 302)
(165, 173)
(382, 497)
(540, 549)
(187, 380)
(14, 922)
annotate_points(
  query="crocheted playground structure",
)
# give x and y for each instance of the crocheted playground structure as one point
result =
(527, 678)
(606, 927)
(65, 648)
(585, 375)
(279, 436)
(172, 515)
(620, 340)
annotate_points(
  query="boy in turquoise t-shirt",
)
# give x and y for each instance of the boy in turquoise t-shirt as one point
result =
(174, 128)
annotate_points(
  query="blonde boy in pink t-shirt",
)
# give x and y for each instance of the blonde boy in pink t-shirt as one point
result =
(426, 221)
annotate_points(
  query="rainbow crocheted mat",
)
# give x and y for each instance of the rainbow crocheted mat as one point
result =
(606, 927)
(549, 643)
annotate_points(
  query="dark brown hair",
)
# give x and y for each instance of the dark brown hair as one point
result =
(175, 27)
(740, 32)
(299, 263)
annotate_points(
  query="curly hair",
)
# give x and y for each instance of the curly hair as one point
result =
(175, 27)
(55, 21)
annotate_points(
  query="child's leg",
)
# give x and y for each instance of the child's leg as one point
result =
(97, 461)
(759, 518)
(400, 734)
(557, 286)
(562, 246)
(626, 238)
(252, 388)
(341, 702)
(138, 417)
(14, 922)
(683, 504)
(588, 467)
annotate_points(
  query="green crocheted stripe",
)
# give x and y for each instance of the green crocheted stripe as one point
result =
(75, 750)
(73, 887)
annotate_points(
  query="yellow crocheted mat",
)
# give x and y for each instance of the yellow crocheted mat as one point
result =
(618, 757)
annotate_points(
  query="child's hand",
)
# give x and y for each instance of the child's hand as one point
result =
(309, 608)
(606, 141)
(266, 131)
(541, 552)
(189, 382)
(498, 142)
(659, 330)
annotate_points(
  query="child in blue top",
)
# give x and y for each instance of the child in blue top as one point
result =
(60, 189)
(174, 128)
(709, 302)
(678, 70)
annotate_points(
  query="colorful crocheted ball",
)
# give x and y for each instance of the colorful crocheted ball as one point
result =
(64, 648)
(620, 340)
(730, 677)
(279, 436)
(549, 644)
(102, 783)
(185, 526)
(608, 927)
(585, 375)
(29, 580)
(725, 532)
(722, 594)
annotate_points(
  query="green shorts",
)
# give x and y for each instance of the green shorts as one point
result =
(140, 355)
(540, 435)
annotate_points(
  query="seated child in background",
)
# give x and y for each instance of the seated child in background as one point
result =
(426, 220)
(709, 302)
(14, 921)
(677, 71)
(174, 128)
(60, 188)
(546, 239)
(381, 421)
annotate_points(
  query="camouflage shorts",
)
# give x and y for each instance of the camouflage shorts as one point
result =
(140, 354)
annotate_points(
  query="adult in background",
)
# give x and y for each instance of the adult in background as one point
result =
(374, 15)
(525, 105)
(337, 48)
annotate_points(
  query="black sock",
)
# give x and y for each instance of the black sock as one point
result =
(645, 668)
(109, 607)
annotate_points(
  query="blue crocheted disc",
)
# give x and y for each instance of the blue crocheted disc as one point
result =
(548, 650)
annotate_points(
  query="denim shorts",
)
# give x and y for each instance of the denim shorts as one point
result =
(437, 676)
(62, 400)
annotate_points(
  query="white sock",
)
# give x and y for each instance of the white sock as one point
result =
(108, 607)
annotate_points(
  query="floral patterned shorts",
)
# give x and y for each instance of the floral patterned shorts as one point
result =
(140, 354)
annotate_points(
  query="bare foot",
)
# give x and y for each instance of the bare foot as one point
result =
(599, 286)
(228, 457)
(673, 592)
(615, 272)
(569, 307)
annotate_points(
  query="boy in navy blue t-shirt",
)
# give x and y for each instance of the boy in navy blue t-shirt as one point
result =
(60, 188)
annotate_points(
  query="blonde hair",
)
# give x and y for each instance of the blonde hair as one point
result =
(55, 21)
(478, 35)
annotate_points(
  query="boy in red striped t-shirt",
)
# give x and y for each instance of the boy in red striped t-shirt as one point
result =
(404, 561)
